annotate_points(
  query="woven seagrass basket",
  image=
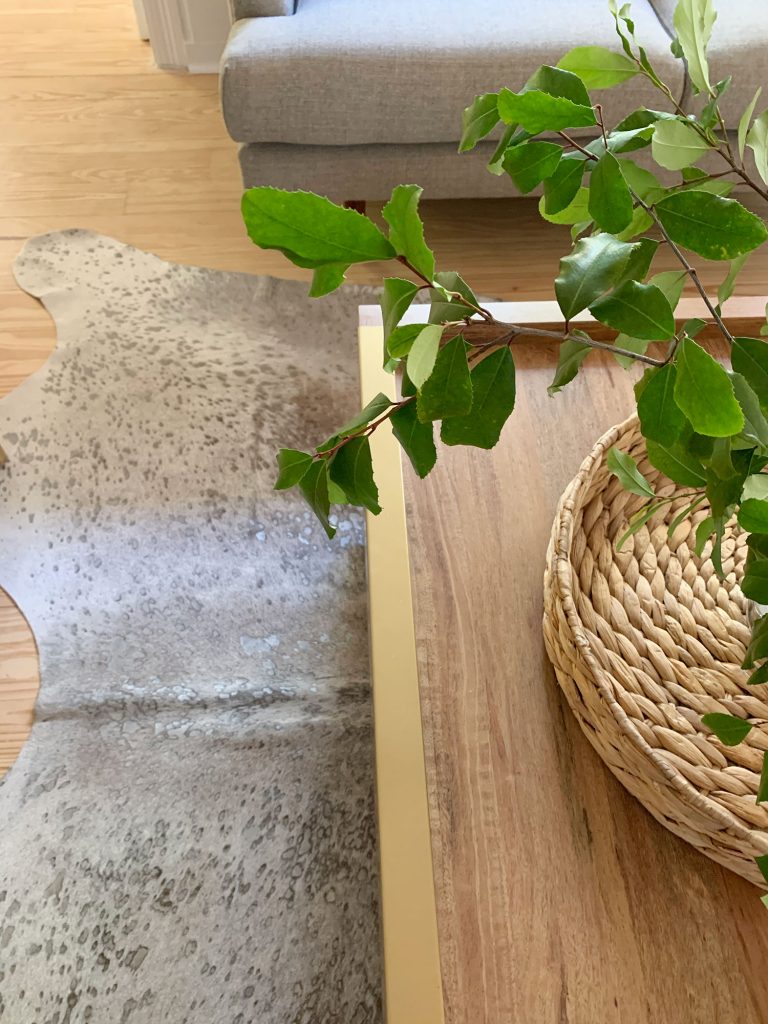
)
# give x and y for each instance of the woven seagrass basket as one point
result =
(644, 642)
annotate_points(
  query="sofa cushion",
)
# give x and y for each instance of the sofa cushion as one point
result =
(739, 47)
(342, 72)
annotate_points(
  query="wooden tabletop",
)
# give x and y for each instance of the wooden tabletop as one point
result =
(556, 898)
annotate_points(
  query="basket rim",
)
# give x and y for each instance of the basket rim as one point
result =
(561, 567)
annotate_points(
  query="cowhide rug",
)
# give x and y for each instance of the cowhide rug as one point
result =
(188, 835)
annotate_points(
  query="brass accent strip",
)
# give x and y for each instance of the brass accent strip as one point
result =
(412, 980)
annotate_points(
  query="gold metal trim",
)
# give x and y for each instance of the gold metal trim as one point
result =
(412, 980)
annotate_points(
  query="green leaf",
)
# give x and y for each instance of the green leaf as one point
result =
(715, 228)
(677, 464)
(415, 437)
(610, 201)
(637, 522)
(725, 291)
(397, 296)
(641, 181)
(352, 469)
(676, 144)
(755, 423)
(510, 136)
(728, 729)
(762, 789)
(641, 221)
(643, 118)
(625, 468)
(757, 140)
(595, 265)
(756, 486)
(557, 82)
(336, 495)
(478, 120)
(314, 486)
(684, 514)
(537, 111)
(402, 338)
(630, 345)
(753, 516)
(749, 357)
(597, 67)
(746, 117)
(621, 142)
(493, 399)
(423, 354)
(529, 163)
(640, 310)
(311, 230)
(572, 355)
(693, 21)
(721, 468)
(575, 213)
(757, 545)
(708, 116)
(717, 188)
(639, 260)
(445, 308)
(448, 391)
(758, 643)
(291, 465)
(754, 583)
(705, 394)
(703, 533)
(561, 187)
(406, 230)
(660, 418)
(372, 411)
(671, 283)
(327, 279)
(758, 677)
(693, 326)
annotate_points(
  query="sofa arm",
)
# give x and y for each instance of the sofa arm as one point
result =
(261, 8)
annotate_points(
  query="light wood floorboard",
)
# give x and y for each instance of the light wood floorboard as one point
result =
(94, 136)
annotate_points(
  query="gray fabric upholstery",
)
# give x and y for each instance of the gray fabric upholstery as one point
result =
(371, 172)
(261, 8)
(343, 73)
(739, 47)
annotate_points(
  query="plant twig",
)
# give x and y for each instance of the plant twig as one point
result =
(512, 331)
(366, 429)
(690, 270)
(457, 295)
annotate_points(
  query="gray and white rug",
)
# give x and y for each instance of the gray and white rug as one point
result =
(188, 835)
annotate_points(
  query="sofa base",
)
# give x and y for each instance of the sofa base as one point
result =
(371, 172)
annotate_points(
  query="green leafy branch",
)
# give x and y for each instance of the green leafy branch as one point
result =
(705, 426)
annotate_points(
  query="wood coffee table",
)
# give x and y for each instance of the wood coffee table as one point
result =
(521, 884)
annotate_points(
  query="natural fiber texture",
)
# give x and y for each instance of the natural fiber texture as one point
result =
(188, 836)
(644, 642)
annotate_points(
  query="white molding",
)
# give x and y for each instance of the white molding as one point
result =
(188, 35)
(141, 19)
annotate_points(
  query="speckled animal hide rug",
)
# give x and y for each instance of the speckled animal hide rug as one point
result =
(188, 835)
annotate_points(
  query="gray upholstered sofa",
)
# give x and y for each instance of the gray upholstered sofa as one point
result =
(350, 97)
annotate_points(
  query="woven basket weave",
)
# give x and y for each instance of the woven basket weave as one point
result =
(644, 642)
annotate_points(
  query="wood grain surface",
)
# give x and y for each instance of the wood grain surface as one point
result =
(559, 899)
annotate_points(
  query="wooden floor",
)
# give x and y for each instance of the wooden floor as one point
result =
(94, 136)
